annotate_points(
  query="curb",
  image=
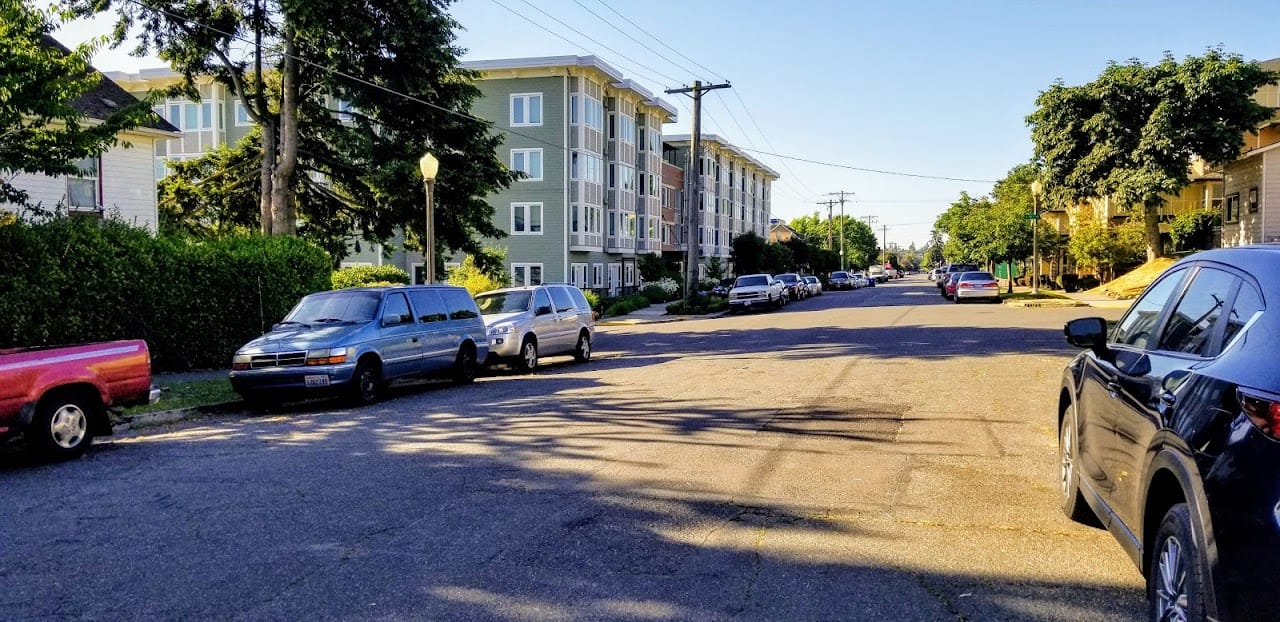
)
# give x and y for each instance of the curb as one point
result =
(658, 320)
(1039, 304)
(162, 417)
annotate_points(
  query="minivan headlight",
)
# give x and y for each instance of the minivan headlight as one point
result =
(331, 356)
(502, 329)
(240, 362)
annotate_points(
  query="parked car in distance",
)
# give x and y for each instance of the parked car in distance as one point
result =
(861, 280)
(526, 323)
(815, 286)
(841, 280)
(756, 290)
(933, 274)
(941, 281)
(57, 398)
(949, 281)
(355, 341)
(976, 286)
(796, 289)
(1169, 434)
(877, 274)
(722, 288)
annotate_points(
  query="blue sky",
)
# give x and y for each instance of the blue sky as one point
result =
(936, 88)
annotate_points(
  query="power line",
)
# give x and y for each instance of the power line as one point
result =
(629, 36)
(874, 170)
(714, 74)
(767, 143)
(589, 38)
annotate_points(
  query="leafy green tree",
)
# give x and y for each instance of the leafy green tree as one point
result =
(934, 256)
(778, 259)
(1193, 230)
(1132, 132)
(213, 195)
(860, 244)
(747, 254)
(40, 82)
(338, 154)
(715, 268)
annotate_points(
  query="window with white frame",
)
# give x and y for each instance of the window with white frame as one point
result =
(628, 274)
(529, 162)
(82, 186)
(597, 275)
(526, 109)
(579, 271)
(526, 219)
(242, 115)
(344, 111)
(526, 274)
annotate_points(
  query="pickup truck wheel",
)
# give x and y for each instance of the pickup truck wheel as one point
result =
(464, 366)
(527, 361)
(61, 429)
(366, 383)
(582, 352)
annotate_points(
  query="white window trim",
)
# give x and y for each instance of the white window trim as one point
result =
(597, 275)
(528, 271)
(94, 176)
(585, 271)
(528, 220)
(235, 113)
(526, 152)
(524, 99)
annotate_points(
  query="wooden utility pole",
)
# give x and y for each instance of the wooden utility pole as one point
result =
(841, 194)
(695, 204)
(830, 203)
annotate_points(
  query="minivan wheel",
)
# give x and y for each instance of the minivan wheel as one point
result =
(528, 359)
(582, 352)
(464, 366)
(1072, 503)
(1175, 579)
(366, 383)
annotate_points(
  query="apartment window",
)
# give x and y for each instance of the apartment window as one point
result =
(242, 115)
(526, 109)
(574, 103)
(597, 275)
(613, 175)
(574, 217)
(573, 166)
(529, 162)
(82, 187)
(644, 184)
(579, 271)
(344, 111)
(629, 274)
(526, 274)
(1233, 209)
(526, 219)
(613, 126)
(1253, 201)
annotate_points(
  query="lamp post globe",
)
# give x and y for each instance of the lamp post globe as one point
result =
(429, 166)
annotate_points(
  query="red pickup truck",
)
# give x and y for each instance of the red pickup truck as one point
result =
(57, 398)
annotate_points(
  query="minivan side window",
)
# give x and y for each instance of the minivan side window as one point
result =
(540, 300)
(429, 306)
(1138, 326)
(396, 310)
(1194, 321)
(579, 300)
(563, 301)
(459, 304)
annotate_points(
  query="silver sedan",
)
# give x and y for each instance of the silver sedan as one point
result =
(977, 285)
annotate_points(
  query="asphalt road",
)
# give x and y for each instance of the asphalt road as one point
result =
(868, 455)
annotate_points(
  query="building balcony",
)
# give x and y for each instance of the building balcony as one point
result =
(615, 244)
(585, 242)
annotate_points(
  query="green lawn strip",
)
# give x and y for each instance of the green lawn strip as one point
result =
(177, 395)
(1031, 296)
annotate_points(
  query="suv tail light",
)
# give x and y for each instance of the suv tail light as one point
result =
(1263, 412)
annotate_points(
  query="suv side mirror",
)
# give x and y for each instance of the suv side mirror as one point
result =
(1086, 332)
(543, 310)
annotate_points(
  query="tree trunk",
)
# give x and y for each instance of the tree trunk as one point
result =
(1151, 221)
(283, 217)
(268, 163)
(265, 122)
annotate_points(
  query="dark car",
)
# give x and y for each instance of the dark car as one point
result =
(796, 289)
(951, 269)
(1169, 435)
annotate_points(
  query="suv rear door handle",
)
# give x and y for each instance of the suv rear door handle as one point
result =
(1113, 388)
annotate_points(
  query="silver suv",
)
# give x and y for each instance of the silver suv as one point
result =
(524, 323)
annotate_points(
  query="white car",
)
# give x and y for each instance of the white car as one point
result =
(815, 286)
(859, 280)
(757, 290)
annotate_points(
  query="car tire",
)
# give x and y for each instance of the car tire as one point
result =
(582, 351)
(956, 299)
(1069, 497)
(63, 425)
(464, 365)
(1176, 586)
(527, 360)
(366, 383)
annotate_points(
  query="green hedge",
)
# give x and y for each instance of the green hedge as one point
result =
(621, 306)
(76, 280)
(362, 276)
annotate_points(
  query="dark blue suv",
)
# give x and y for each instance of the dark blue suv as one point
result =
(1168, 433)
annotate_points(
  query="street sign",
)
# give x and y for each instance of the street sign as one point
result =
(1031, 216)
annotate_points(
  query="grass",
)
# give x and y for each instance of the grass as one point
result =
(1043, 295)
(1131, 284)
(177, 395)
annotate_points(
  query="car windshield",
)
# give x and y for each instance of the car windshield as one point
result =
(977, 276)
(788, 278)
(334, 307)
(962, 267)
(810, 279)
(751, 281)
(839, 275)
(503, 302)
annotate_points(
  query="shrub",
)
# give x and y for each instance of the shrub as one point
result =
(75, 280)
(622, 306)
(475, 279)
(655, 294)
(593, 299)
(368, 276)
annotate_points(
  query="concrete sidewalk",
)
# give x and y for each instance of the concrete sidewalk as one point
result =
(652, 314)
(1098, 300)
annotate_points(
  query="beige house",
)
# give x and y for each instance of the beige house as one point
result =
(1251, 192)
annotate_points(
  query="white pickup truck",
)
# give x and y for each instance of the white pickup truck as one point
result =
(877, 273)
(757, 290)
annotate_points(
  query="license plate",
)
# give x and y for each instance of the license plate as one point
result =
(317, 381)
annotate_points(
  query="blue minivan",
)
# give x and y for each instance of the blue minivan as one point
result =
(355, 341)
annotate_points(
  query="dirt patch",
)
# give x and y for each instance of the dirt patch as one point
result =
(1132, 283)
